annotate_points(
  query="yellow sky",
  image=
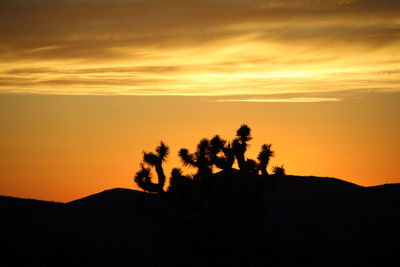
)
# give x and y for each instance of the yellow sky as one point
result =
(208, 47)
(85, 86)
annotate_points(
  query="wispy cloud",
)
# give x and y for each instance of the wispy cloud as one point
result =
(210, 47)
(283, 100)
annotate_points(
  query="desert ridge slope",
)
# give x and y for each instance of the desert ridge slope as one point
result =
(303, 221)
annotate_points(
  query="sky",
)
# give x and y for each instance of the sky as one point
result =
(86, 86)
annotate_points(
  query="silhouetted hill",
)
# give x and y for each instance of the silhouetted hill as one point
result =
(315, 185)
(348, 224)
(117, 198)
(14, 204)
(296, 221)
(120, 195)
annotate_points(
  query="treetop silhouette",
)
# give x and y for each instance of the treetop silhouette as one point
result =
(201, 159)
(264, 156)
(239, 146)
(143, 177)
(221, 153)
(209, 153)
(279, 170)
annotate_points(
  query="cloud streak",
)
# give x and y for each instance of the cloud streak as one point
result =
(283, 100)
(220, 47)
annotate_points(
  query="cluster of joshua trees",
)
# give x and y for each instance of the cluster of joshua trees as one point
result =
(210, 152)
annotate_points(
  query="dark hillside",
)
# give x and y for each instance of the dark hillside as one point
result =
(329, 222)
(301, 221)
(315, 185)
(117, 200)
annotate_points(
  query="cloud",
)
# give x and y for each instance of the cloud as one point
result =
(84, 28)
(300, 97)
(199, 47)
(132, 70)
(282, 100)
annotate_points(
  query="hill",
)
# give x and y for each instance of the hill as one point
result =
(299, 221)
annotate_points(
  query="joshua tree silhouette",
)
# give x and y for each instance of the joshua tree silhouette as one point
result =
(208, 208)
(178, 182)
(199, 159)
(216, 151)
(279, 170)
(239, 145)
(263, 157)
(143, 177)
(220, 146)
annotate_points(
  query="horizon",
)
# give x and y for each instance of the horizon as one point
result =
(86, 86)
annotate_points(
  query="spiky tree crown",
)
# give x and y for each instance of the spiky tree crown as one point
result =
(216, 144)
(279, 170)
(153, 159)
(265, 152)
(144, 171)
(143, 176)
(220, 146)
(244, 133)
(143, 179)
(203, 148)
(150, 158)
(186, 157)
(162, 151)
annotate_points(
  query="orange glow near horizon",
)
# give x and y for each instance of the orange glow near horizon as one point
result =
(86, 86)
(66, 147)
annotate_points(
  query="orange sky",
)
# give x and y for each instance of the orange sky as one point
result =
(65, 147)
(85, 86)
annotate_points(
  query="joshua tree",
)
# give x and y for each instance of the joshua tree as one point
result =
(143, 177)
(279, 170)
(219, 146)
(252, 167)
(263, 157)
(199, 159)
(178, 182)
(239, 145)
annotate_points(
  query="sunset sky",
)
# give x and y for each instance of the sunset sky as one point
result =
(86, 86)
